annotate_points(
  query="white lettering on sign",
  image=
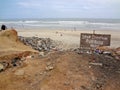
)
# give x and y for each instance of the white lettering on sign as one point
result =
(86, 36)
(94, 40)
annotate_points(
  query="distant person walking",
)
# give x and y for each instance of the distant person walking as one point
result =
(3, 27)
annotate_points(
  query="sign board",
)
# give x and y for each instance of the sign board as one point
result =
(89, 41)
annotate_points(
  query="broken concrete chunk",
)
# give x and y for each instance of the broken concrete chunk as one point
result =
(97, 64)
(49, 68)
(1, 67)
(41, 53)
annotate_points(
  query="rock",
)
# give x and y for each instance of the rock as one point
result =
(41, 73)
(117, 57)
(19, 72)
(76, 50)
(1, 67)
(23, 58)
(41, 54)
(118, 48)
(49, 68)
(29, 57)
(39, 43)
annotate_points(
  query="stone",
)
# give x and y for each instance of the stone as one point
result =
(23, 58)
(39, 43)
(49, 68)
(117, 57)
(29, 57)
(41, 73)
(41, 54)
(1, 67)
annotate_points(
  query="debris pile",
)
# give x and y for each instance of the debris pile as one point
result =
(40, 44)
(106, 51)
(12, 63)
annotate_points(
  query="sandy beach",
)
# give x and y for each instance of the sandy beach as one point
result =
(69, 38)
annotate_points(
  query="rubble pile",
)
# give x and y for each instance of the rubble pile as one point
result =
(110, 52)
(12, 63)
(40, 44)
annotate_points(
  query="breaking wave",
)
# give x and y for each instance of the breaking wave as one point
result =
(64, 24)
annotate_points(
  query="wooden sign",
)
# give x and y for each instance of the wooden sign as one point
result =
(88, 41)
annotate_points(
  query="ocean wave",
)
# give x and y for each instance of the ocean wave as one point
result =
(61, 23)
(106, 24)
(73, 22)
(31, 21)
(58, 22)
(42, 25)
(9, 22)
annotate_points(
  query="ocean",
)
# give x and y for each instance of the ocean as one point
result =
(63, 24)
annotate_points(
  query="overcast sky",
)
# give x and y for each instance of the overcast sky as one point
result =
(59, 9)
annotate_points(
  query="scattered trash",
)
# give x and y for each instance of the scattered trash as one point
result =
(98, 51)
(89, 52)
(107, 53)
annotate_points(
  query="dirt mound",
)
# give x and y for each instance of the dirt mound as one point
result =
(63, 71)
(9, 42)
(11, 34)
(11, 47)
(70, 72)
